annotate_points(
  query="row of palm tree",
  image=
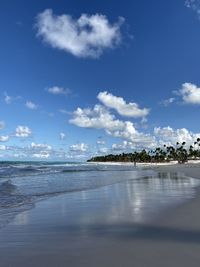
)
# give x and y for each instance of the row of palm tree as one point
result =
(180, 153)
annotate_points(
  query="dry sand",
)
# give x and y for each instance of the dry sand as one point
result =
(47, 236)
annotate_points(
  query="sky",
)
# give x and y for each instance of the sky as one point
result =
(84, 78)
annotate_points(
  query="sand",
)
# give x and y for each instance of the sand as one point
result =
(71, 230)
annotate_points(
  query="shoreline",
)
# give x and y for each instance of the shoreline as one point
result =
(172, 239)
(147, 164)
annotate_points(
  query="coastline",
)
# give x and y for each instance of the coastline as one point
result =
(172, 239)
(148, 164)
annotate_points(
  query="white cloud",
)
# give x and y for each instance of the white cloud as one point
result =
(171, 136)
(4, 138)
(82, 147)
(23, 131)
(168, 101)
(32, 151)
(31, 105)
(120, 105)
(100, 142)
(87, 36)
(2, 147)
(161, 136)
(100, 118)
(2, 125)
(130, 146)
(121, 147)
(40, 151)
(190, 93)
(103, 150)
(41, 155)
(138, 139)
(40, 146)
(62, 136)
(56, 90)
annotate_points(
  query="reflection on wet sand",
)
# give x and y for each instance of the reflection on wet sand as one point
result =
(141, 199)
(109, 225)
(133, 201)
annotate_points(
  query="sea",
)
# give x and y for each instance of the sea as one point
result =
(23, 184)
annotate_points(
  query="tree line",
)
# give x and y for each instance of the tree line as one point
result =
(180, 152)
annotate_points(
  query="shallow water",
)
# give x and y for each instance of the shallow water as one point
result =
(142, 192)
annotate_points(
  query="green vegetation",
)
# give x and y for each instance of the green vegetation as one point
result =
(165, 154)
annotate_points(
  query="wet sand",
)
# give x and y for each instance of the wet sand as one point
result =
(74, 230)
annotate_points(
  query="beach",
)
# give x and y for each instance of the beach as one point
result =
(112, 225)
(99, 140)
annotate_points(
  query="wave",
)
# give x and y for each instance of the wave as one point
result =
(22, 184)
(17, 169)
(7, 188)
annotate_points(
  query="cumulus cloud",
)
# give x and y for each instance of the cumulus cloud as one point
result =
(103, 150)
(41, 155)
(88, 36)
(23, 131)
(31, 105)
(45, 151)
(4, 138)
(128, 146)
(122, 147)
(56, 90)
(190, 93)
(171, 136)
(160, 136)
(38, 151)
(2, 147)
(62, 136)
(2, 125)
(120, 105)
(100, 118)
(40, 146)
(82, 147)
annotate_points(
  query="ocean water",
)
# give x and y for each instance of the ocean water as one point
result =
(22, 184)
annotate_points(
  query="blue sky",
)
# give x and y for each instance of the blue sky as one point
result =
(81, 78)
